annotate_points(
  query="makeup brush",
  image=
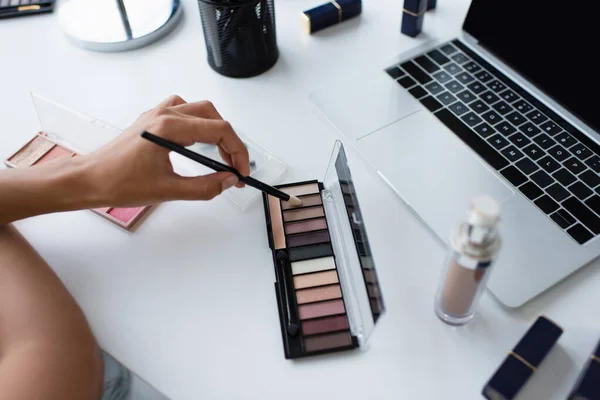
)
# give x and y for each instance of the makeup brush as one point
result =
(287, 295)
(219, 167)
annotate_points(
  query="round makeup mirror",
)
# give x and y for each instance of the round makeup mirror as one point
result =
(118, 25)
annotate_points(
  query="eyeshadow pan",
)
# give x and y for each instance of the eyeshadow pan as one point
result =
(317, 279)
(308, 252)
(305, 239)
(124, 214)
(32, 152)
(305, 226)
(324, 325)
(321, 309)
(326, 342)
(276, 223)
(307, 201)
(303, 213)
(318, 294)
(301, 190)
(56, 152)
(315, 265)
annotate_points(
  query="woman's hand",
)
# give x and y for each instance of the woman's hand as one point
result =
(131, 171)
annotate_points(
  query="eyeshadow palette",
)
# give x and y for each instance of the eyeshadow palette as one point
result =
(42, 149)
(326, 285)
(16, 8)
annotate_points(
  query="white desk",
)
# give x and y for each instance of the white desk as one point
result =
(187, 301)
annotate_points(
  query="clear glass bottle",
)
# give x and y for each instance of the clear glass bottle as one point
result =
(474, 245)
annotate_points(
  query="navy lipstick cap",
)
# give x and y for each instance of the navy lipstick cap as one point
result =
(331, 13)
(587, 386)
(413, 15)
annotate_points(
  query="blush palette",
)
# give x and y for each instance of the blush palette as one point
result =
(41, 150)
(322, 286)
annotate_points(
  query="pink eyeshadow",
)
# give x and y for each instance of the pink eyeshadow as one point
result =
(56, 152)
(124, 214)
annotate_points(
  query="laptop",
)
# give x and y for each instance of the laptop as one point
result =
(509, 109)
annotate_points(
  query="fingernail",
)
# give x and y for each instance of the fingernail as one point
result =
(229, 182)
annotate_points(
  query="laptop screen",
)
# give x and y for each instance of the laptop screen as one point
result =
(553, 44)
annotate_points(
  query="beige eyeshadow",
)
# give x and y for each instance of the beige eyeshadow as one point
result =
(318, 294)
(316, 279)
(32, 152)
(307, 201)
(303, 213)
(301, 190)
(276, 223)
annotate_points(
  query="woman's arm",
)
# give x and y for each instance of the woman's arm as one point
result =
(129, 171)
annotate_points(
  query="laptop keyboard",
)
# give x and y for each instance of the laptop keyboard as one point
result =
(552, 163)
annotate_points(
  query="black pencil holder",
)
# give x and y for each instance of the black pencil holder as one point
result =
(239, 35)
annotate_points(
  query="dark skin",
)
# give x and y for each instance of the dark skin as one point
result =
(47, 349)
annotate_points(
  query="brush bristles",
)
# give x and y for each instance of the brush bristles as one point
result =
(294, 201)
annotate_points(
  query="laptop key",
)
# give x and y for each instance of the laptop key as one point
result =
(560, 221)
(594, 163)
(452, 68)
(446, 98)
(464, 78)
(427, 64)
(580, 211)
(549, 164)
(505, 128)
(546, 204)
(529, 129)
(533, 151)
(590, 179)
(417, 73)
(580, 151)
(498, 142)
(432, 104)
(523, 106)
(442, 76)
(460, 58)
(479, 106)
(476, 87)
(536, 117)
(434, 88)
(471, 67)
(471, 119)
(512, 153)
(527, 166)
(458, 108)
(418, 92)
(407, 82)
(509, 96)
(579, 234)
(484, 130)
(497, 86)
(594, 203)
(544, 141)
(513, 175)
(438, 57)
(454, 86)
(542, 179)
(489, 97)
(395, 72)
(531, 190)
(479, 145)
(559, 153)
(492, 117)
(448, 49)
(580, 190)
(467, 96)
(519, 140)
(557, 192)
(550, 128)
(483, 76)
(502, 107)
(568, 218)
(566, 140)
(515, 118)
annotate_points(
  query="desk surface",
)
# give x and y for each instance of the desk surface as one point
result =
(187, 301)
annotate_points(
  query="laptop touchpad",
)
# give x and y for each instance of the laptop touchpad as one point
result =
(431, 169)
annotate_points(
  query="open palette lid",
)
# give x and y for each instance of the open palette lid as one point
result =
(350, 242)
(84, 134)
